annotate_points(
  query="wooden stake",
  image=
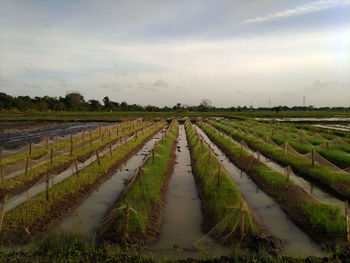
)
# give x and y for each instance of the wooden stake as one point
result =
(102, 135)
(98, 158)
(140, 175)
(301, 136)
(313, 157)
(27, 161)
(153, 157)
(327, 145)
(241, 148)
(110, 149)
(287, 171)
(100, 130)
(30, 148)
(47, 185)
(208, 157)
(347, 221)
(76, 167)
(219, 175)
(285, 135)
(83, 138)
(127, 213)
(47, 142)
(71, 144)
(4, 201)
(258, 156)
(241, 211)
(337, 140)
(202, 145)
(109, 134)
(3, 178)
(51, 156)
(285, 147)
(0, 153)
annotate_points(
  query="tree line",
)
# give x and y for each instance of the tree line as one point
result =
(74, 101)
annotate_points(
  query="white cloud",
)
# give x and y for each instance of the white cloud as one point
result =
(300, 10)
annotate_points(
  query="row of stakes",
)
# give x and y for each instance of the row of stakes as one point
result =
(5, 193)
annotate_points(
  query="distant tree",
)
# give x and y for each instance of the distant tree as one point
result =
(74, 101)
(94, 105)
(107, 103)
(206, 104)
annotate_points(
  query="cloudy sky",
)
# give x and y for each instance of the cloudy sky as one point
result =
(233, 52)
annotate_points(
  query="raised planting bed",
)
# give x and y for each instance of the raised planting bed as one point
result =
(322, 221)
(334, 182)
(24, 181)
(136, 215)
(227, 216)
(44, 210)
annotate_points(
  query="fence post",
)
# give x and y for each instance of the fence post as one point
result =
(153, 156)
(287, 171)
(98, 158)
(51, 156)
(285, 147)
(202, 145)
(219, 175)
(47, 185)
(140, 174)
(109, 133)
(241, 211)
(327, 145)
(313, 157)
(27, 161)
(4, 201)
(241, 148)
(285, 135)
(110, 149)
(71, 144)
(301, 136)
(47, 142)
(30, 148)
(90, 137)
(83, 137)
(347, 221)
(127, 213)
(76, 166)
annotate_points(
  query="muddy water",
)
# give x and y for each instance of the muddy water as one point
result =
(41, 185)
(87, 216)
(181, 226)
(274, 219)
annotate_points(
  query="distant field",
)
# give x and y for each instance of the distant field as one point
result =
(117, 116)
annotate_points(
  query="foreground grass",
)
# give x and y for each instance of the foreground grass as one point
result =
(61, 247)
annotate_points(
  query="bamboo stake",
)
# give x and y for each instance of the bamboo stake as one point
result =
(153, 157)
(285, 135)
(127, 213)
(30, 148)
(47, 185)
(98, 158)
(76, 167)
(327, 145)
(27, 161)
(83, 137)
(71, 144)
(313, 157)
(347, 221)
(241, 148)
(47, 142)
(287, 171)
(140, 175)
(285, 147)
(110, 149)
(301, 136)
(241, 210)
(51, 156)
(90, 137)
(219, 175)
(3, 209)
(109, 134)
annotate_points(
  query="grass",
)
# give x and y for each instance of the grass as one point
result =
(36, 172)
(141, 198)
(37, 208)
(223, 200)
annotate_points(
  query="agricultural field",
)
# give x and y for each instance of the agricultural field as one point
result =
(143, 189)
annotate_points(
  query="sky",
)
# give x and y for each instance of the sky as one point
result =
(232, 52)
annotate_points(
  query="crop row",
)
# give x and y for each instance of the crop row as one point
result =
(39, 212)
(25, 180)
(336, 182)
(323, 221)
(226, 214)
(134, 214)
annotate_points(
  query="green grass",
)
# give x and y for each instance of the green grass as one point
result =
(141, 198)
(223, 200)
(38, 208)
(61, 160)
